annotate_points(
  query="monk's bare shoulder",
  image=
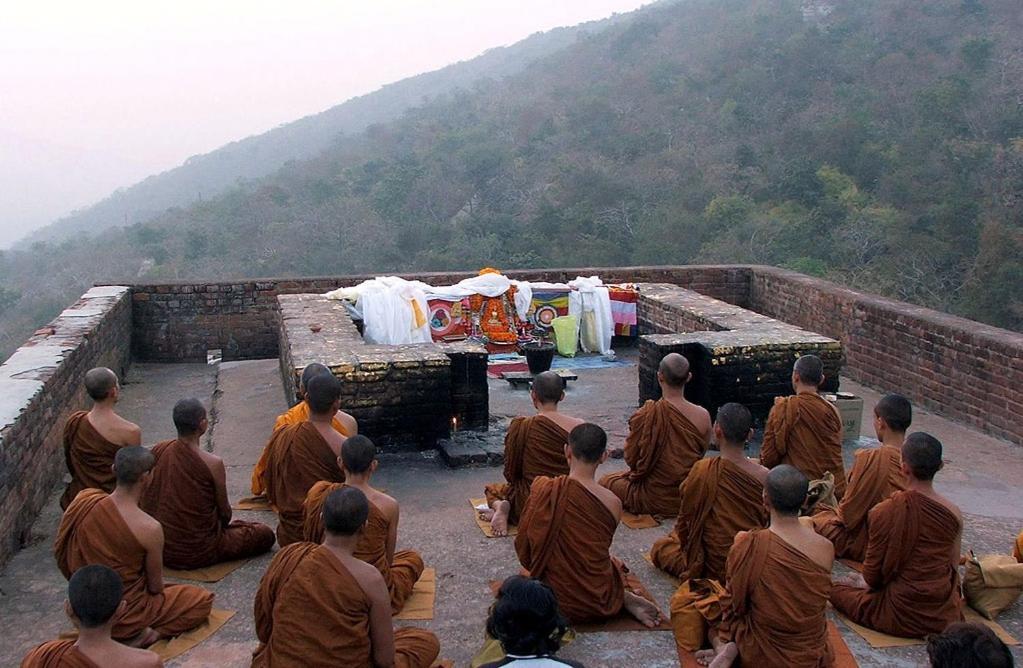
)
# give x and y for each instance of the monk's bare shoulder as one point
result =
(951, 507)
(333, 439)
(214, 463)
(608, 498)
(141, 658)
(350, 424)
(367, 574)
(754, 468)
(387, 504)
(566, 422)
(821, 550)
(127, 432)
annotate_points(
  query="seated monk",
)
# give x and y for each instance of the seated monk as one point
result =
(805, 430)
(666, 437)
(187, 494)
(721, 497)
(111, 529)
(773, 612)
(565, 538)
(378, 538)
(301, 455)
(92, 438)
(534, 446)
(318, 605)
(343, 423)
(876, 474)
(94, 598)
(910, 581)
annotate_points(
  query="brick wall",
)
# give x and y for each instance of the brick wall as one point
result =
(40, 385)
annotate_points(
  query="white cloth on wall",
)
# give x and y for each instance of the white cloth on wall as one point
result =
(590, 302)
(394, 311)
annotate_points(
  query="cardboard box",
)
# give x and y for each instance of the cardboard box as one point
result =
(851, 408)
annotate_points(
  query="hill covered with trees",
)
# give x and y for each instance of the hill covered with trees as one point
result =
(878, 143)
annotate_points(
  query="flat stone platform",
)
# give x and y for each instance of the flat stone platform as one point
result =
(982, 475)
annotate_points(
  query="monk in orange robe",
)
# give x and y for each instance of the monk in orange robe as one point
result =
(302, 455)
(721, 497)
(805, 430)
(343, 423)
(666, 437)
(318, 605)
(187, 494)
(910, 581)
(112, 530)
(92, 438)
(94, 598)
(377, 541)
(565, 536)
(773, 612)
(534, 446)
(876, 474)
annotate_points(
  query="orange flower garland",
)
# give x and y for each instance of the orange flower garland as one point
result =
(493, 316)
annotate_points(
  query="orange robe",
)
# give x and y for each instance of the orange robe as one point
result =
(297, 413)
(400, 574)
(661, 448)
(774, 606)
(533, 447)
(297, 458)
(92, 531)
(805, 431)
(909, 567)
(57, 654)
(89, 457)
(719, 500)
(310, 611)
(1017, 551)
(182, 496)
(876, 474)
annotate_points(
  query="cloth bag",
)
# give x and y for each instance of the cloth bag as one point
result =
(820, 494)
(992, 583)
(566, 334)
(694, 605)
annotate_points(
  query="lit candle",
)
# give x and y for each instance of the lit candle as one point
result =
(454, 423)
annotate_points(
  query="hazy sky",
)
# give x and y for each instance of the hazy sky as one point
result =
(99, 94)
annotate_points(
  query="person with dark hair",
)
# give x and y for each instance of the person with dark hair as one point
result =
(187, 494)
(534, 446)
(565, 536)
(964, 645)
(303, 454)
(876, 474)
(910, 581)
(93, 437)
(112, 530)
(666, 438)
(774, 610)
(721, 497)
(320, 606)
(377, 542)
(804, 430)
(343, 423)
(94, 599)
(526, 620)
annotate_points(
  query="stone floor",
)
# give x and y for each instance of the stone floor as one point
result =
(980, 476)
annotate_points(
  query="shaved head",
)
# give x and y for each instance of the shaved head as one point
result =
(322, 392)
(674, 370)
(548, 387)
(94, 593)
(896, 411)
(131, 463)
(311, 371)
(921, 453)
(810, 370)
(358, 453)
(188, 416)
(735, 421)
(588, 442)
(345, 511)
(786, 488)
(100, 382)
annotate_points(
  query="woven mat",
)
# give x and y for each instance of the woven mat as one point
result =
(424, 593)
(843, 656)
(639, 521)
(483, 524)
(174, 647)
(258, 503)
(214, 573)
(879, 640)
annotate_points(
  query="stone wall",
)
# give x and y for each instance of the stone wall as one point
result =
(40, 385)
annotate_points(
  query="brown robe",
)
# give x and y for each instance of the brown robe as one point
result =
(533, 447)
(310, 611)
(909, 567)
(775, 603)
(661, 448)
(805, 431)
(1017, 550)
(298, 458)
(876, 474)
(297, 413)
(89, 457)
(719, 500)
(400, 574)
(92, 531)
(182, 496)
(57, 654)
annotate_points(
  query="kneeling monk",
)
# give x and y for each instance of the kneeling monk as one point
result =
(377, 541)
(533, 447)
(721, 497)
(666, 437)
(187, 494)
(773, 612)
(112, 530)
(318, 605)
(301, 455)
(910, 581)
(565, 538)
